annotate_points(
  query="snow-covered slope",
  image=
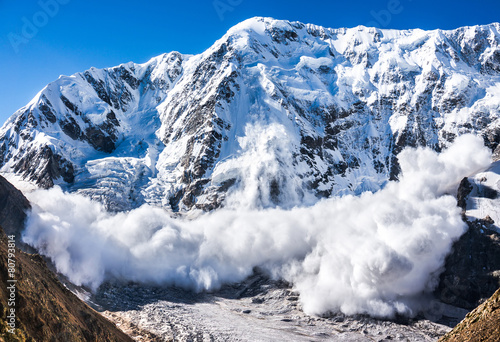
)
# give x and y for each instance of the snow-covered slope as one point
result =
(482, 201)
(291, 112)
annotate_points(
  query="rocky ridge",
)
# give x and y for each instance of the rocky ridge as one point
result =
(13, 208)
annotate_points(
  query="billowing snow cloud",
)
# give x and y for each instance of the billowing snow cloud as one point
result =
(372, 254)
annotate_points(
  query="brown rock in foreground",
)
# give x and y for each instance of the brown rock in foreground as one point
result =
(481, 324)
(45, 310)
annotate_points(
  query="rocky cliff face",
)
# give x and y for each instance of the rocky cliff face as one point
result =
(13, 208)
(298, 107)
(472, 269)
(480, 324)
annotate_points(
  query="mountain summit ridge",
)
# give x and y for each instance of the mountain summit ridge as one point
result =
(294, 111)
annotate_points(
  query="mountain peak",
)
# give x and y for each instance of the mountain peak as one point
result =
(181, 131)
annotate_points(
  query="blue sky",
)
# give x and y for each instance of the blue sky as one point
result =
(40, 40)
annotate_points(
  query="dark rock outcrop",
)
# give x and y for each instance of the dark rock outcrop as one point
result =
(472, 269)
(43, 167)
(464, 189)
(13, 208)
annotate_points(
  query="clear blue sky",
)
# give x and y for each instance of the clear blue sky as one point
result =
(84, 33)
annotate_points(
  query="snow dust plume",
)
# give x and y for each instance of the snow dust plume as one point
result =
(368, 254)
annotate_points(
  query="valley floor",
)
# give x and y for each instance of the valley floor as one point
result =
(258, 309)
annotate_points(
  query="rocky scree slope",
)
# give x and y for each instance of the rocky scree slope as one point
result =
(290, 109)
(45, 309)
(482, 324)
(42, 301)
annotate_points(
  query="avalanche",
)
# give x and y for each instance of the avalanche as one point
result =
(374, 254)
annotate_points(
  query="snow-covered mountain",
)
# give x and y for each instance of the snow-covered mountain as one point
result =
(290, 111)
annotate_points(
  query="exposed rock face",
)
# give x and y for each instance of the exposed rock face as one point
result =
(13, 208)
(482, 324)
(171, 132)
(464, 189)
(49, 166)
(472, 270)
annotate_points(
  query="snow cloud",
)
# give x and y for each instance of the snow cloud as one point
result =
(374, 253)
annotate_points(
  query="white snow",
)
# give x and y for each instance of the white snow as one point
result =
(479, 204)
(369, 254)
(317, 70)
